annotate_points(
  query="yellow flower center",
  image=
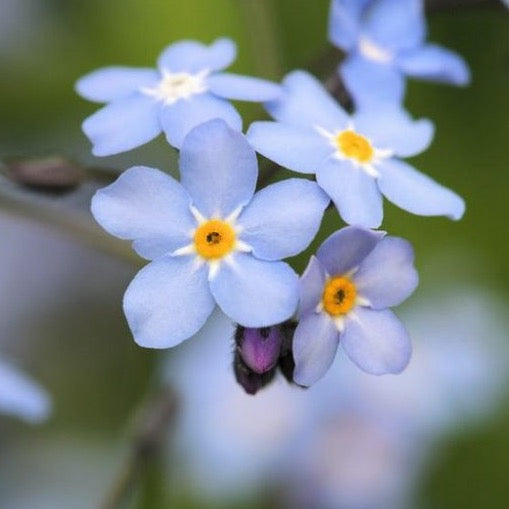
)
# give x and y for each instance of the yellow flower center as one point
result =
(214, 239)
(355, 146)
(338, 296)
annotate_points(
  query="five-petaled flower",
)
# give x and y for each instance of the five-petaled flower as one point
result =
(344, 293)
(354, 157)
(385, 40)
(210, 239)
(185, 91)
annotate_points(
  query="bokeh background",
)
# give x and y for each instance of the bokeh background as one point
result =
(437, 437)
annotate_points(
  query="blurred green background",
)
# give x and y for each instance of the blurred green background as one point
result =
(82, 351)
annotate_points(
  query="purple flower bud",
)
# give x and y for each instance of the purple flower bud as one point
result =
(250, 381)
(259, 348)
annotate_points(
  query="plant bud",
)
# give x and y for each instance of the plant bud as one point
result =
(259, 348)
(250, 381)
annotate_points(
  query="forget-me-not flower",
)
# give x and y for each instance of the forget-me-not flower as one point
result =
(20, 396)
(385, 40)
(184, 91)
(355, 158)
(344, 295)
(209, 238)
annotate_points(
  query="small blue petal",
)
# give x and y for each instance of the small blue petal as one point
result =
(294, 147)
(218, 167)
(395, 24)
(283, 218)
(147, 206)
(22, 397)
(179, 118)
(315, 343)
(243, 88)
(370, 83)
(376, 341)
(392, 128)
(311, 286)
(168, 301)
(415, 192)
(353, 191)
(255, 293)
(306, 103)
(387, 276)
(123, 125)
(345, 249)
(110, 83)
(435, 63)
(344, 22)
(193, 56)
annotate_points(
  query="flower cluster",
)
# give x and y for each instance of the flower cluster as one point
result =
(385, 41)
(212, 240)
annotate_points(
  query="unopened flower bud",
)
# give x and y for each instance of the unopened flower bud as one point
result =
(259, 348)
(250, 381)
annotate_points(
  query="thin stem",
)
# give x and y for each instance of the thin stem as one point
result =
(262, 31)
(151, 428)
(443, 5)
(69, 213)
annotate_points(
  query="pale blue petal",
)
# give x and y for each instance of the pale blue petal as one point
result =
(417, 193)
(22, 397)
(294, 147)
(435, 63)
(218, 167)
(306, 103)
(179, 118)
(147, 206)
(353, 191)
(256, 293)
(168, 301)
(344, 22)
(376, 341)
(315, 343)
(392, 128)
(395, 24)
(193, 56)
(345, 249)
(112, 83)
(123, 125)
(283, 218)
(311, 286)
(387, 276)
(243, 88)
(371, 84)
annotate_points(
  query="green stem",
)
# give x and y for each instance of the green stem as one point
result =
(262, 31)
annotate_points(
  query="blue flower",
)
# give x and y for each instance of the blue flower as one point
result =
(344, 295)
(22, 397)
(211, 240)
(185, 91)
(384, 41)
(354, 157)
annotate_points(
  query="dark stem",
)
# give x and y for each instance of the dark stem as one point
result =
(151, 428)
(443, 5)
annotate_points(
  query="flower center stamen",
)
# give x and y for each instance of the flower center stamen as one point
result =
(373, 52)
(339, 296)
(214, 239)
(355, 146)
(175, 86)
